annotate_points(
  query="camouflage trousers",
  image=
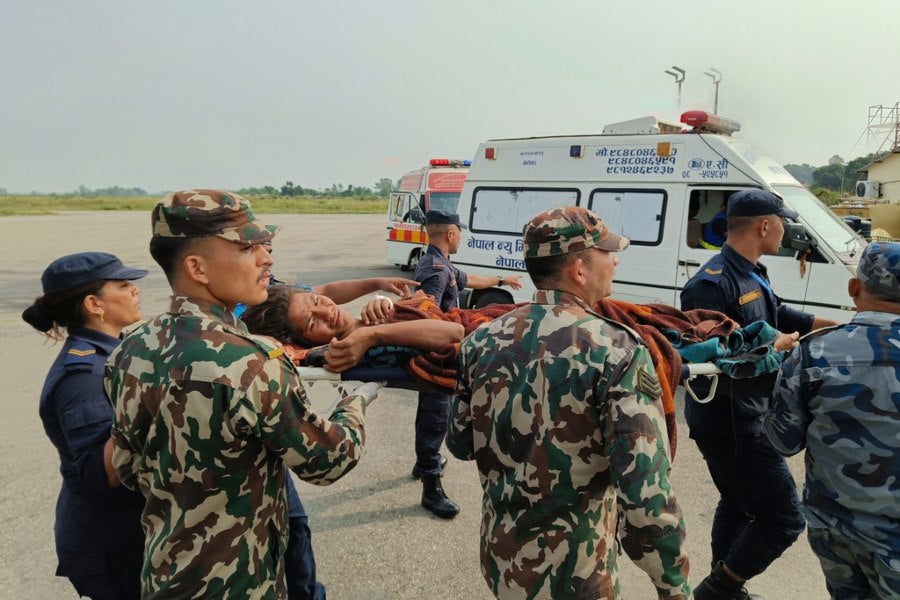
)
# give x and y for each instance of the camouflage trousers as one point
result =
(853, 571)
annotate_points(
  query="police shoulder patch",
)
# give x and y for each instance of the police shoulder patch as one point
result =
(81, 355)
(648, 383)
(749, 297)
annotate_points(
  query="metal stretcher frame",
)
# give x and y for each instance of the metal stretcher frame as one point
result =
(397, 377)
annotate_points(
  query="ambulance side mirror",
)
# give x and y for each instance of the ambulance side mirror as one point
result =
(416, 215)
(795, 237)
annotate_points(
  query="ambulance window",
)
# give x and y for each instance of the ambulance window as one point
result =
(398, 206)
(636, 214)
(443, 201)
(508, 210)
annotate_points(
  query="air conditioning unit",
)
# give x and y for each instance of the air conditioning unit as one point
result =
(868, 189)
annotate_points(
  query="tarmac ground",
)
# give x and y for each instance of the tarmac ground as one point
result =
(372, 540)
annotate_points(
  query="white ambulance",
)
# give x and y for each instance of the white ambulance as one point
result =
(435, 186)
(657, 183)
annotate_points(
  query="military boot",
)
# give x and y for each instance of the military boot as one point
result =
(442, 462)
(434, 498)
(718, 585)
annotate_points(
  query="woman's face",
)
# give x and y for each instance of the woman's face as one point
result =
(317, 319)
(121, 303)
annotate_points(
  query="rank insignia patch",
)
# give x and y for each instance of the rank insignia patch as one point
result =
(648, 383)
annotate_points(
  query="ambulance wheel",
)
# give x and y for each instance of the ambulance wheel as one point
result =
(413, 262)
(492, 297)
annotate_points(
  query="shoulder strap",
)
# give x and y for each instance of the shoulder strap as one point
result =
(80, 356)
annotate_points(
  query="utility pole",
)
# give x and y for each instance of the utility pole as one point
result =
(716, 77)
(678, 74)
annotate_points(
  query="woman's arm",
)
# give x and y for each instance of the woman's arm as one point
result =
(350, 289)
(425, 334)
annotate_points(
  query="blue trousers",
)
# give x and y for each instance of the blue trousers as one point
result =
(299, 561)
(851, 569)
(758, 516)
(114, 575)
(431, 428)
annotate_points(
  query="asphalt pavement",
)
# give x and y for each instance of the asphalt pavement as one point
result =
(372, 540)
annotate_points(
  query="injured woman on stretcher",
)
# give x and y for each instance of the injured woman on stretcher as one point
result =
(414, 334)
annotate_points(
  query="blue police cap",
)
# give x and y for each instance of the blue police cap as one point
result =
(879, 268)
(76, 270)
(442, 217)
(755, 203)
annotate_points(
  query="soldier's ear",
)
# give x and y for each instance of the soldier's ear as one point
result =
(853, 287)
(194, 268)
(577, 270)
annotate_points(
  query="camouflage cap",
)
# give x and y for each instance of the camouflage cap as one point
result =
(568, 229)
(879, 268)
(202, 213)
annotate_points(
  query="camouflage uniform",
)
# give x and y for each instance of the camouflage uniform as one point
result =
(207, 417)
(561, 410)
(837, 395)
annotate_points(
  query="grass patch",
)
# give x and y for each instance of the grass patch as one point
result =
(51, 204)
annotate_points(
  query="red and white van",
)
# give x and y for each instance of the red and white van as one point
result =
(435, 186)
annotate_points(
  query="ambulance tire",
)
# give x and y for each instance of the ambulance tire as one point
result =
(492, 297)
(413, 262)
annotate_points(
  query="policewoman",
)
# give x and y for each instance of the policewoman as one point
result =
(89, 298)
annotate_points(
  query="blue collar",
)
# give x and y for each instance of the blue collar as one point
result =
(741, 264)
(102, 341)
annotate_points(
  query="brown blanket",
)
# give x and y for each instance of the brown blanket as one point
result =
(437, 369)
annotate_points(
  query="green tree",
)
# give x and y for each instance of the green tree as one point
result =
(830, 176)
(384, 186)
(802, 173)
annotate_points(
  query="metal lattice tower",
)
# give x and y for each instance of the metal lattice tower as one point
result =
(884, 125)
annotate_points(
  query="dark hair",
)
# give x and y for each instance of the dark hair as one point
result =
(880, 295)
(740, 223)
(544, 270)
(168, 252)
(51, 313)
(271, 317)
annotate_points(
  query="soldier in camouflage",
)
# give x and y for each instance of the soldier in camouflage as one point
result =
(838, 395)
(561, 410)
(207, 416)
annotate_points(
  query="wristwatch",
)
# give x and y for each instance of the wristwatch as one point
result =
(499, 280)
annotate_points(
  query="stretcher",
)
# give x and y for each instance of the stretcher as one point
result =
(397, 377)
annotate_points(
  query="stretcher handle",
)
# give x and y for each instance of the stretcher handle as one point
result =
(703, 370)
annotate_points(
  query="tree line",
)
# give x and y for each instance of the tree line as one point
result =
(832, 181)
(829, 182)
(382, 188)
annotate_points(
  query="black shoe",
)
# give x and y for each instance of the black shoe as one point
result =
(435, 500)
(442, 462)
(718, 585)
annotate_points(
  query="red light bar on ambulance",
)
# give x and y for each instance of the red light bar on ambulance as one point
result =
(446, 162)
(703, 121)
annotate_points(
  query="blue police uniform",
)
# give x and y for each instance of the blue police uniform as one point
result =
(99, 539)
(758, 515)
(837, 396)
(438, 277)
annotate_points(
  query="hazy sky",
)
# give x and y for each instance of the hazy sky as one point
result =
(167, 95)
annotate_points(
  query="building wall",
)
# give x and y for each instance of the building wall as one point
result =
(888, 173)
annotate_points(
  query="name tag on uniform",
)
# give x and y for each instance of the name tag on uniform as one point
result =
(749, 297)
